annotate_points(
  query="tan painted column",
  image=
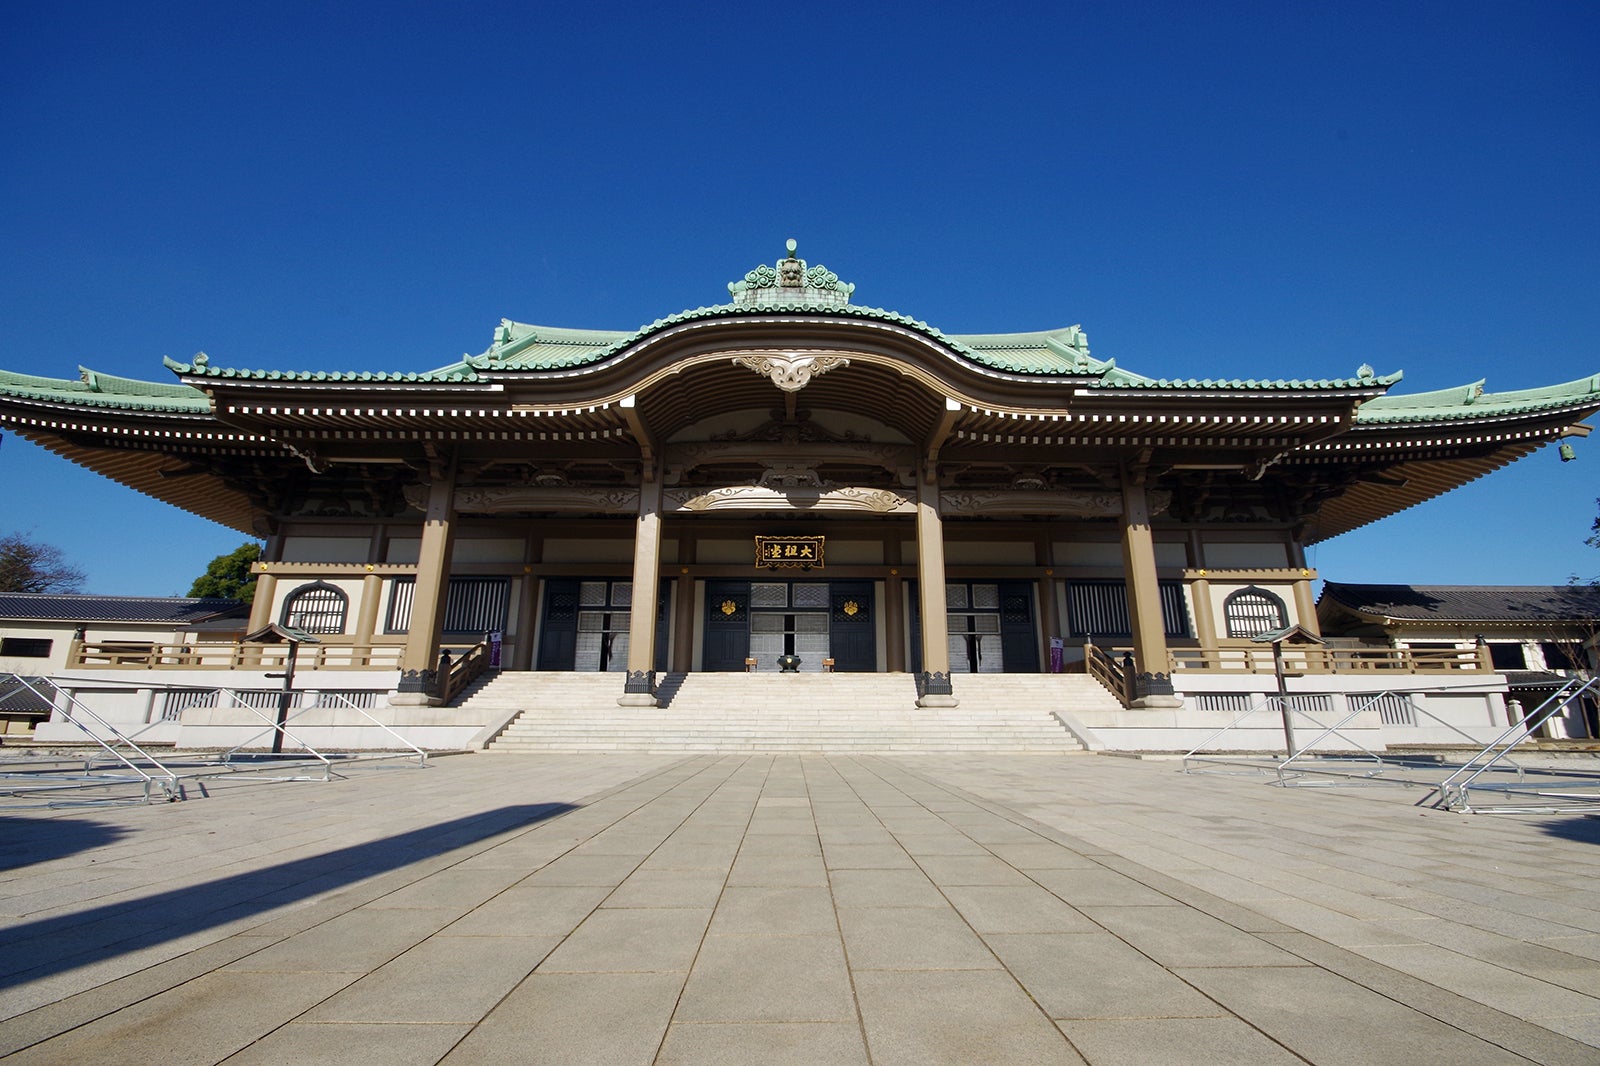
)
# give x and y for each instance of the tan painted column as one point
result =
(419, 659)
(261, 603)
(1205, 622)
(1153, 680)
(639, 690)
(367, 617)
(1306, 605)
(933, 683)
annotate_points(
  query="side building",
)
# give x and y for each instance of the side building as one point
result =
(790, 479)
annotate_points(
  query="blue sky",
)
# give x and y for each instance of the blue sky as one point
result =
(1223, 190)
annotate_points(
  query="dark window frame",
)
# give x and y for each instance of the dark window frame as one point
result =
(295, 617)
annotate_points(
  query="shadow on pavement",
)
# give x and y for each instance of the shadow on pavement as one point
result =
(63, 942)
(25, 841)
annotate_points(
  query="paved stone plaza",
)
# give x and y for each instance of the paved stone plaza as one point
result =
(797, 909)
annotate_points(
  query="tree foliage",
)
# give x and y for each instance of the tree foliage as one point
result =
(29, 566)
(229, 576)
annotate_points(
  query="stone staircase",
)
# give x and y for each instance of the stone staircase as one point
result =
(732, 712)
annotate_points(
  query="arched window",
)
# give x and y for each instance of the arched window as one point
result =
(1254, 610)
(316, 608)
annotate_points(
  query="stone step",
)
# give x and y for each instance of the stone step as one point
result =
(783, 712)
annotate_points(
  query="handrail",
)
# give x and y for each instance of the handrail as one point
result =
(125, 654)
(463, 671)
(1103, 668)
(1309, 659)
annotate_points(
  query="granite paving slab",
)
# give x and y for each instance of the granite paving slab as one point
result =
(802, 908)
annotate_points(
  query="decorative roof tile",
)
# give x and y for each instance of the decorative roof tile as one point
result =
(93, 389)
(64, 607)
(1470, 401)
(1469, 603)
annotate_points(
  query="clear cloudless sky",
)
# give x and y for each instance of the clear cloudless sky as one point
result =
(1211, 190)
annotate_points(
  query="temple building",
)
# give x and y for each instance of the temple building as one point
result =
(788, 480)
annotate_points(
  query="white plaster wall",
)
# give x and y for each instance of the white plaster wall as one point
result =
(725, 552)
(351, 586)
(1243, 555)
(1223, 586)
(596, 550)
(301, 549)
(403, 550)
(853, 552)
(487, 550)
(1088, 553)
(992, 553)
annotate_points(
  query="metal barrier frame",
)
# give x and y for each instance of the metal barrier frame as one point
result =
(69, 707)
(1454, 792)
(169, 775)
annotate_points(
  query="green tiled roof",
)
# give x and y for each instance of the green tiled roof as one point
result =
(93, 389)
(1470, 401)
(201, 366)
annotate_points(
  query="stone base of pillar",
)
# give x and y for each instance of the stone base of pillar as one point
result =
(1154, 691)
(414, 699)
(416, 689)
(639, 690)
(933, 690)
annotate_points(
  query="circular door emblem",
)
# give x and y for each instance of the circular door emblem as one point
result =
(852, 608)
(729, 607)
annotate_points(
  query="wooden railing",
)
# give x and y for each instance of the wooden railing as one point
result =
(462, 671)
(1101, 665)
(1311, 659)
(135, 655)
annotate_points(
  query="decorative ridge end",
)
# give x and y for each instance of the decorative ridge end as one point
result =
(791, 281)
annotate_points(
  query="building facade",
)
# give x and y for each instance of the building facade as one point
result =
(787, 478)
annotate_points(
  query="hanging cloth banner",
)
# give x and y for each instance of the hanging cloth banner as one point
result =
(804, 553)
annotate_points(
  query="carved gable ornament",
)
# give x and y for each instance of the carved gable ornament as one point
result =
(791, 373)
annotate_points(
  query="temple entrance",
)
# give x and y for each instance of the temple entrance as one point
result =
(814, 620)
(991, 627)
(586, 625)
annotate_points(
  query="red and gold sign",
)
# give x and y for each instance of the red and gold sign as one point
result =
(804, 553)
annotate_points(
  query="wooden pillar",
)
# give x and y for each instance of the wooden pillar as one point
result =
(1153, 679)
(1305, 604)
(367, 617)
(419, 658)
(261, 603)
(527, 605)
(1049, 614)
(639, 690)
(894, 612)
(1205, 622)
(933, 682)
(683, 606)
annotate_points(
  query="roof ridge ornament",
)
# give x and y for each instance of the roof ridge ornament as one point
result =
(791, 281)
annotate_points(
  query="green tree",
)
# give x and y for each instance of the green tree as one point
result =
(229, 576)
(28, 566)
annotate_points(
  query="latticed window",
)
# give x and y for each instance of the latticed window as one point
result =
(474, 604)
(317, 608)
(1099, 608)
(1253, 610)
